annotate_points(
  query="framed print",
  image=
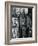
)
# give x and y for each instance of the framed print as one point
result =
(20, 22)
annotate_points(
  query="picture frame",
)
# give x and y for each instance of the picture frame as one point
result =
(28, 8)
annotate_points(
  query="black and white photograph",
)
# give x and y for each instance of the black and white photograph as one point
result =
(21, 18)
(20, 22)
